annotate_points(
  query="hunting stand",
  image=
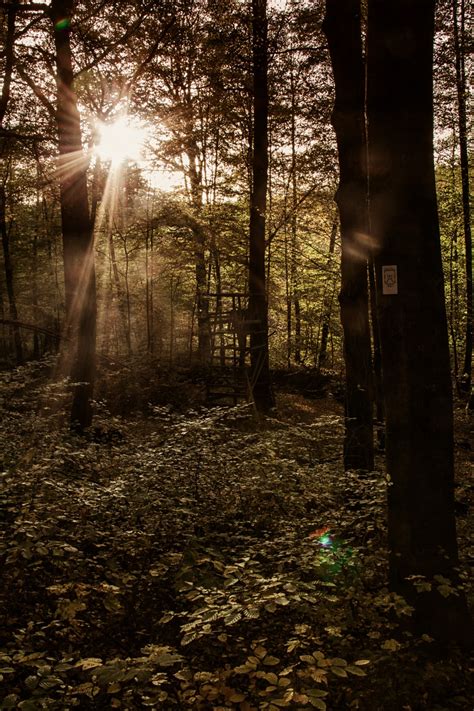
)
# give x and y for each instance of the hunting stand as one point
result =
(230, 328)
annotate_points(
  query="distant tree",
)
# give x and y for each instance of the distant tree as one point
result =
(412, 319)
(77, 231)
(258, 304)
(342, 27)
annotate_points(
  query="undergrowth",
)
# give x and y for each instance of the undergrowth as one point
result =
(199, 560)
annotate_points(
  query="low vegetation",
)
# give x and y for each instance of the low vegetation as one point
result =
(204, 560)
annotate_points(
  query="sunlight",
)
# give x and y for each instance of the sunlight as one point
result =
(122, 140)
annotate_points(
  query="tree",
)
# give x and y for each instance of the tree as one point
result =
(77, 231)
(459, 48)
(258, 304)
(4, 228)
(5, 231)
(342, 27)
(411, 309)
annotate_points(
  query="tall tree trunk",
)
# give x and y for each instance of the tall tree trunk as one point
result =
(459, 39)
(149, 286)
(258, 305)
(327, 302)
(294, 224)
(453, 303)
(377, 357)
(121, 297)
(411, 306)
(289, 299)
(9, 54)
(342, 27)
(202, 299)
(77, 232)
(9, 278)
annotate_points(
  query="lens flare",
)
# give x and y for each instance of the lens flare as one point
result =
(334, 556)
(63, 24)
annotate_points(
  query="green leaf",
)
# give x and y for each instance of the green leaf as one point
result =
(232, 618)
(281, 703)
(355, 671)
(237, 698)
(114, 688)
(316, 693)
(270, 661)
(271, 678)
(244, 668)
(338, 671)
(89, 663)
(338, 662)
(391, 645)
(167, 659)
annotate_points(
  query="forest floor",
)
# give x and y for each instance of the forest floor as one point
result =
(199, 559)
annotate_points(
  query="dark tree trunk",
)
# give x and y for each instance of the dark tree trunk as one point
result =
(78, 243)
(377, 358)
(327, 303)
(342, 27)
(295, 288)
(9, 278)
(9, 54)
(258, 305)
(412, 319)
(459, 36)
(202, 291)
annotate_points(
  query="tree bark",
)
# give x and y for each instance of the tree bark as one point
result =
(342, 27)
(9, 53)
(295, 289)
(412, 319)
(202, 298)
(258, 305)
(459, 33)
(77, 232)
(327, 302)
(9, 279)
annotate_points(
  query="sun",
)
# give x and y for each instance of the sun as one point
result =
(121, 140)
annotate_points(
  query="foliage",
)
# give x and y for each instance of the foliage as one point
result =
(198, 560)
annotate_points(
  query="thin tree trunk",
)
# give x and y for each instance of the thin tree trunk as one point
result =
(294, 224)
(288, 294)
(78, 242)
(411, 307)
(9, 54)
(204, 333)
(327, 303)
(342, 27)
(121, 298)
(9, 278)
(34, 286)
(459, 39)
(148, 308)
(377, 357)
(128, 306)
(258, 305)
(453, 300)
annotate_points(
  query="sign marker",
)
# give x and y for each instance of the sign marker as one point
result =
(390, 279)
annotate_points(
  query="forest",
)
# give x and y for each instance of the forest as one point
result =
(236, 334)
